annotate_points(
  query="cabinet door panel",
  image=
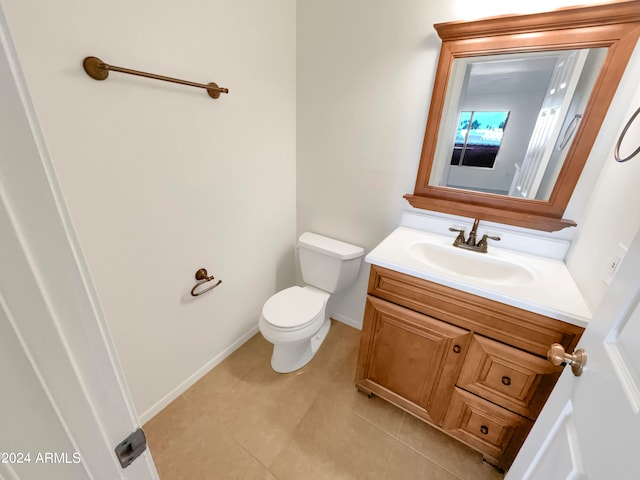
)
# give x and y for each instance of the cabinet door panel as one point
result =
(507, 376)
(411, 355)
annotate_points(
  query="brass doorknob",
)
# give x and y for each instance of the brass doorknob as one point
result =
(577, 359)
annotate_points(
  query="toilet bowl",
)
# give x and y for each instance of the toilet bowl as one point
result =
(295, 320)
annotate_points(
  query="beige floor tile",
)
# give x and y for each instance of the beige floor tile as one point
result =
(207, 454)
(455, 457)
(170, 425)
(214, 391)
(266, 408)
(375, 410)
(407, 464)
(332, 442)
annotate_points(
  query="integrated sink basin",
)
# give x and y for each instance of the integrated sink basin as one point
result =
(481, 267)
(532, 282)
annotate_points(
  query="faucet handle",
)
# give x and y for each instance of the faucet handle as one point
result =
(460, 238)
(482, 244)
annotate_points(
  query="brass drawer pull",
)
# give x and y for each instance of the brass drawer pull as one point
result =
(506, 380)
(484, 429)
(457, 349)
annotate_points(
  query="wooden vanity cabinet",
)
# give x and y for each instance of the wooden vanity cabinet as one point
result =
(472, 367)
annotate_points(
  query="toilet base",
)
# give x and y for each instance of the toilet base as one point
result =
(288, 357)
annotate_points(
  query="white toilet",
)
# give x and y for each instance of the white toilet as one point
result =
(294, 320)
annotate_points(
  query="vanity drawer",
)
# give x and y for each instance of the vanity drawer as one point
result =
(525, 330)
(496, 432)
(514, 379)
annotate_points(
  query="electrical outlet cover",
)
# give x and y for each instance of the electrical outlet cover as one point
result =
(617, 257)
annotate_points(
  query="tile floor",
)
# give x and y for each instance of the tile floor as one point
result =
(244, 421)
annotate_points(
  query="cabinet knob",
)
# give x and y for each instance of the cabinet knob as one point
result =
(457, 349)
(506, 380)
(484, 429)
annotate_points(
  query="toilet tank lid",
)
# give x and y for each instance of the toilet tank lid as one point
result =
(330, 246)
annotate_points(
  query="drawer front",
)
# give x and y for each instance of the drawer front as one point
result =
(514, 379)
(496, 432)
(528, 331)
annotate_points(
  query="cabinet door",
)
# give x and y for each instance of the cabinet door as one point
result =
(507, 376)
(409, 358)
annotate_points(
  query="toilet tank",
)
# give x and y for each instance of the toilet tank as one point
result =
(328, 264)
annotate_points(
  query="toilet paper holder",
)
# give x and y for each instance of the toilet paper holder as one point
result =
(203, 278)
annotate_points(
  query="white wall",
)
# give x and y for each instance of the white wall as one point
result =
(161, 180)
(365, 76)
(613, 208)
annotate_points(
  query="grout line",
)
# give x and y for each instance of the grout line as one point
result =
(386, 468)
(248, 452)
(430, 459)
(402, 442)
(287, 441)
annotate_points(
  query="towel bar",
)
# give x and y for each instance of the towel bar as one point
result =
(616, 152)
(98, 70)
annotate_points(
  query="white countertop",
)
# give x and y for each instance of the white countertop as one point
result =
(551, 291)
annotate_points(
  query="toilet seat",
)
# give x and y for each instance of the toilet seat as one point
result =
(293, 308)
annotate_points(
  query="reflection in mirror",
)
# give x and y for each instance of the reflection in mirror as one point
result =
(542, 95)
(478, 138)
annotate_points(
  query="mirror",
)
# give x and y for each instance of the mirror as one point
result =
(542, 95)
(516, 106)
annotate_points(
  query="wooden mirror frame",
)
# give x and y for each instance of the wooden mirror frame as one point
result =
(615, 26)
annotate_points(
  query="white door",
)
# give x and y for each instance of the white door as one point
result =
(590, 427)
(64, 405)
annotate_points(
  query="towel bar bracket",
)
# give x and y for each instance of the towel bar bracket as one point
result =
(94, 67)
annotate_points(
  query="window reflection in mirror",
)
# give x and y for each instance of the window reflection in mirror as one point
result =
(542, 94)
(478, 138)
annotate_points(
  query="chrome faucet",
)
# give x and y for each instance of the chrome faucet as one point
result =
(470, 243)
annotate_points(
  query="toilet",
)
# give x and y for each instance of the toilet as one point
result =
(295, 319)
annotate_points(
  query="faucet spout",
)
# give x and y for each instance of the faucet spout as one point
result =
(471, 240)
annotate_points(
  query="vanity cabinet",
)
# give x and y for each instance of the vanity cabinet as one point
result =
(472, 367)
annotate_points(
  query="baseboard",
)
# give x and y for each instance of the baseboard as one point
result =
(184, 386)
(348, 321)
